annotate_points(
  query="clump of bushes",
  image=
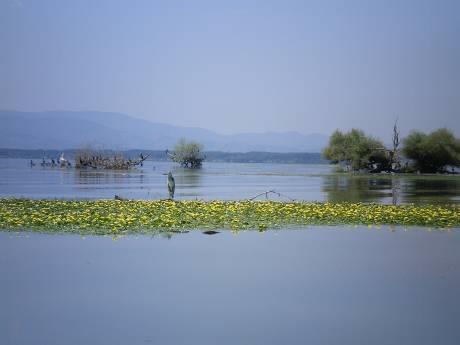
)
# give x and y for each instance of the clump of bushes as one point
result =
(435, 152)
(188, 154)
(355, 149)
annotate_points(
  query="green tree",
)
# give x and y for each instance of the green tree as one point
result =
(188, 153)
(355, 149)
(432, 152)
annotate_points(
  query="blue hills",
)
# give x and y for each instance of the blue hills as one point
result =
(75, 129)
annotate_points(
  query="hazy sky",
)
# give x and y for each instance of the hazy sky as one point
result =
(238, 66)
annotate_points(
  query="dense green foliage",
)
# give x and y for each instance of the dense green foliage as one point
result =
(188, 154)
(432, 152)
(117, 217)
(355, 149)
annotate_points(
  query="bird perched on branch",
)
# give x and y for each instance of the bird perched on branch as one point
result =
(171, 185)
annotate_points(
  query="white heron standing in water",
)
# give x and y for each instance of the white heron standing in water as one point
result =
(171, 185)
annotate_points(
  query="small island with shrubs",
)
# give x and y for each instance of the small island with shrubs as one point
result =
(435, 153)
(189, 154)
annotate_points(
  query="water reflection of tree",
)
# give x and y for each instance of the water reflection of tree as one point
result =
(83, 176)
(91, 177)
(189, 177)
(395, 189)
(352, 188)
(431, 189)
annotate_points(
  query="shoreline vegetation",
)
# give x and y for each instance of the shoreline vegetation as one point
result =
(103, 217)
(162, 156)
(436, 152)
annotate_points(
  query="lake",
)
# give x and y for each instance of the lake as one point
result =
(318, 285)
(226, 181)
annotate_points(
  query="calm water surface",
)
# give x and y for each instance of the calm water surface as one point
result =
(227, 181)
(321, 285)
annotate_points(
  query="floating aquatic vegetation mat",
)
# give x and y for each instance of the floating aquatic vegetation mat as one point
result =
(113, 216)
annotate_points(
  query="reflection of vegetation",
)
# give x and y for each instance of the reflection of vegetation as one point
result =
(119, 217)
(394, 188)
(431, 189)
(84, 177)
(355, 188)
(189, 178)
(355, 149)
(433, 152)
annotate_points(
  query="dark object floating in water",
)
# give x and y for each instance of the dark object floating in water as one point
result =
(210, 232)
(117, 197)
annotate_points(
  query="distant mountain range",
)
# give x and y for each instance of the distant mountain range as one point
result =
(74, 129)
